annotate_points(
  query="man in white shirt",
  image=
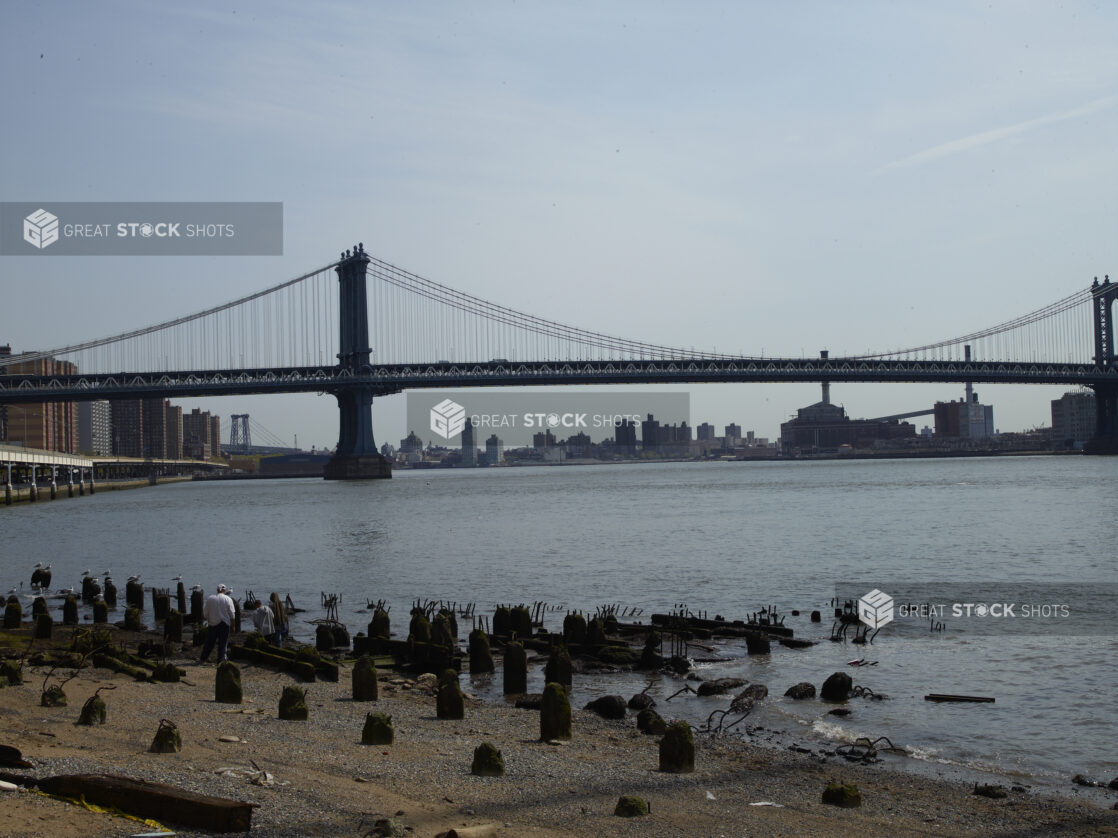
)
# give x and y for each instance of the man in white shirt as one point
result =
(219, 613)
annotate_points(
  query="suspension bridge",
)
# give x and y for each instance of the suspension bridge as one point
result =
(361, 328)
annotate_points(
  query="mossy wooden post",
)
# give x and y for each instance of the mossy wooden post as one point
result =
(559, 667)
(502, 622)
(38, 606)
(522, 621)
(341, 636)
(574, 628)
(160, 604)
(323, 638)
(650, 654)
(449, 703)
(555, 713)
(110, 593)
(53, 696)
(378, 729)
(677, 749)
(70, 611)
(13, 615)
(440, 632)
(167, 739)
(132, 619)
(167, 673)
(227, 684)
(481, 658)
(649, 721)
(630, 806)
(100, 611)
(134, 594)
(488, 761)
(596, 632)
(293, 704)
(451, 621)
(93, 711)
(180, 598)
(845, 795)
(11, 673)
(516, 669)
(364, 679)
(172, 628)
(237, 614)
(380, 625)
(197, 603)
(757, 643)
(420, 629)
(43, 627)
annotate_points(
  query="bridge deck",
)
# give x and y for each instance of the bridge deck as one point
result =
(394, 378)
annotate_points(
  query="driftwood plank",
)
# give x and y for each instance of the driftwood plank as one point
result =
(154, 800)
(949, 697)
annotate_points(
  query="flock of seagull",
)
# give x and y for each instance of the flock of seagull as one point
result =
(41, 576)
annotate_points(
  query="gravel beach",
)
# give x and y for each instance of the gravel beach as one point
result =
(323, 781)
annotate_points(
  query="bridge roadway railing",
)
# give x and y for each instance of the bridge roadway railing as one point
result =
(394, 378)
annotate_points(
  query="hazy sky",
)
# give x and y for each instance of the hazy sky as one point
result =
(785, 177)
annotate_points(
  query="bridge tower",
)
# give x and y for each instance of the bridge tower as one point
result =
(240, 436)
(356, 457)
(1106, 395)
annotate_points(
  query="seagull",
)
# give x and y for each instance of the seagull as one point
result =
(133, 578)
(195, 587)
(87, 573)
(176, 578)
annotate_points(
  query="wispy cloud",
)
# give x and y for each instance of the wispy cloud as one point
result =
(996, 134)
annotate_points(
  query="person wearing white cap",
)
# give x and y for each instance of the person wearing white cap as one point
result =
(220, 614)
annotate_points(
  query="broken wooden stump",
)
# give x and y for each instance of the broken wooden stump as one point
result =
(13, 615)
(172, 628)
(488, 761)
(845, 795)
(293, 704)
(449, 702)
(677, 749)
(227, 684)
(481, 658)
(44, 625)
(154, 800)
(516, 669)
(167, 739)
(559, 667)
(93, 711)
(378, 729)
(555, 713)
(365, 679)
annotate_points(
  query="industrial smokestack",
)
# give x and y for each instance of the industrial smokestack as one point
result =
(970, 386)
(826, 384)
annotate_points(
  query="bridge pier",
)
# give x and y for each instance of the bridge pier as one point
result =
(1105, 440)
(8, 487)
(356, 457)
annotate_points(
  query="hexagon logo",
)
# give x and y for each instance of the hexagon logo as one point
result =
(448, 418)
(40, 229)
(875, 609)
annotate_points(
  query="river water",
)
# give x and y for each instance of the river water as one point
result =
(724, 538)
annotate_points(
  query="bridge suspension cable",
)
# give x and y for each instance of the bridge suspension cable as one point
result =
(1058, 332)
(453, 321)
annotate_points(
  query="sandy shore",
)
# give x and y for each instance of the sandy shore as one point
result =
(327, 783)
